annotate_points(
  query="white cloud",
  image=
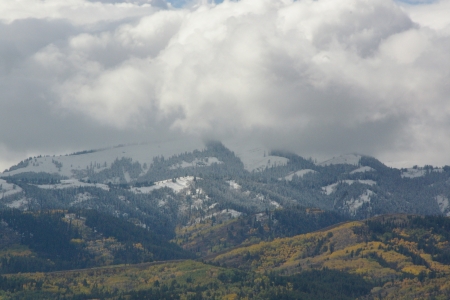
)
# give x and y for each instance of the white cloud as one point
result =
(405, 47)
(318, 77)
(78, 12)
(433, 14)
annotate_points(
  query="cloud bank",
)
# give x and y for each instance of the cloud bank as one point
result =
(317, 77)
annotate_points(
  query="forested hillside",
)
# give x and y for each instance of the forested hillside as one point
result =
(388, 257)
(53, 240)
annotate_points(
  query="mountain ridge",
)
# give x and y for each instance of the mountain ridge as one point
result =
(188, 185)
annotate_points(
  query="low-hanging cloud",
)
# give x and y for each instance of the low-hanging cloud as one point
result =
(318, 77)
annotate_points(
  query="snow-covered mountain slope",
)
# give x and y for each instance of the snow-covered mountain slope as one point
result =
(329, 189)
(8, 189)
(198, 162)
(354, 204)
(443, 203)
(350, 159)
(176, 184)
(103, 158)
(135, 180)
(72, 183)
(254, 156)
(299, 173)
(362, 170)
(234, 185)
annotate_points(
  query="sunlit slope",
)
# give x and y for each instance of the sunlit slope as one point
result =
(379, 249)
(181, 280)
(217, 234)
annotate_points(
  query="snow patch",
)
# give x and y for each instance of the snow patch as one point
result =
(224, 215)
(349, 159)
(300, 174)
(261, 217)
(234, 185)
(73, 183)
(8, 189)
(197, 203)
(254, 156)
(260, 197)
(177, 185)
(81, 197)
(443, 203)
(354, 204)
(127, 177)
(233, 213)
(362, 170)
(146, 189)
(18, 203)
(276, 204)
(198, 162)
(329, 189)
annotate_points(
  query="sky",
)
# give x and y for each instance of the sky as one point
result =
(319, 78)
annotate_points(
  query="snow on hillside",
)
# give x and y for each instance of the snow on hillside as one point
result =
(443, 203)
(418, 172)
(177, 185)
(329, 189)
(19, 204)
(224, 215)
(362, 170)
(299, 174)
(234, 185)
(73, 183)
(143, 153)
(255, 157)
(81, 197)
(276, 204)
(198, 162)
(349, 159)
(354, 204)
(8, 189)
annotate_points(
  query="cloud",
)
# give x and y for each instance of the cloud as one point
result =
(433, 14)
(317, 77)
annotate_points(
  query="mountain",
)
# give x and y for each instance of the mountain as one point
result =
(184, 182)
(206, 221)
